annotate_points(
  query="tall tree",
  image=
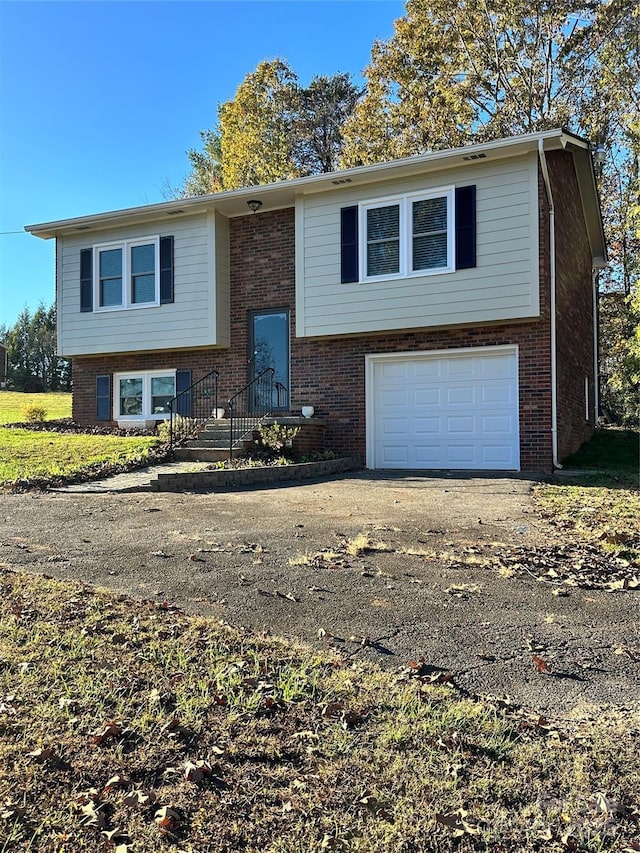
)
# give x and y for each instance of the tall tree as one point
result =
(462, 70)
(256, 128)
(206, 166)
(31, 349)
(322, 109)
(271, 130)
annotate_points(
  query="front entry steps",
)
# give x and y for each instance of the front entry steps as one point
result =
(212, 444)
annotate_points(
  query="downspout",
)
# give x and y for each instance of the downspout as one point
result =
(552, 283)
(596, 366)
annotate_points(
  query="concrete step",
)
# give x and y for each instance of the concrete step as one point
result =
(204, 454)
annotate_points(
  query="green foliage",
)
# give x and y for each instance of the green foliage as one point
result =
(614, 450)
(271, 130)
(182, 426)
(277, 437)
(620, 356)
(31, 353)
(454, 72)
(34, 414)
(256, 128)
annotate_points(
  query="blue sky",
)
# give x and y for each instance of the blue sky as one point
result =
(99, 101)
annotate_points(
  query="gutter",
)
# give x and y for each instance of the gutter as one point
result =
(552, 276)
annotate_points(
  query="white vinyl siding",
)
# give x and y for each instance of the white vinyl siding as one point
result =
(504, 284)
(190, 320)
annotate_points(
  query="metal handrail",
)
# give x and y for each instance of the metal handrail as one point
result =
(249, 406)
(192, 407)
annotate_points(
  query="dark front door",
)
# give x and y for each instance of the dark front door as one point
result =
(269, 342)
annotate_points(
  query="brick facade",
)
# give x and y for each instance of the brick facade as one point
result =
(574, 309)
(330, 373)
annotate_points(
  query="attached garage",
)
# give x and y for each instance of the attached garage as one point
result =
(450, 409)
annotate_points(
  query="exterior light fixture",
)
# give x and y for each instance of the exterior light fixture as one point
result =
(255, 204)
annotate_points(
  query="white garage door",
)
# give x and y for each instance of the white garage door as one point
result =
(444, 410)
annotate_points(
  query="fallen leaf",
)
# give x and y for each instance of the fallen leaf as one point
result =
(456, 821)
(137, 799)
(41, 754)
(167, 819)
(197, 771)
(110, 730)
(541, 664)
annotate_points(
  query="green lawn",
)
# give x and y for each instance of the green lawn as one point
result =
(29, 454)
(142, 729)
(603, 506)
(13, 404)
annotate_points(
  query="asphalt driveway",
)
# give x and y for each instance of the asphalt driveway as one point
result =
(385, 568)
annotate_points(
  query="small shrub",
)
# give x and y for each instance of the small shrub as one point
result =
(277, 437)
(181, 426)
(34, 414)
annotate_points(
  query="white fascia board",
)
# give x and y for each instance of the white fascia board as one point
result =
(283, 193)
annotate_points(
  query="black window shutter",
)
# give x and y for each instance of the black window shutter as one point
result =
(349, 244)
(103, 397)
(166, 270)
(183, 383)
(86, 279)
(465, 227)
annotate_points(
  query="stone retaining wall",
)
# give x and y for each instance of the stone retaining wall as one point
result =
(225, 479)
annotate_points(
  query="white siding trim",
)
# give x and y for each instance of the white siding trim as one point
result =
(212, 277)
(373, 359)
(534, 231)
(300, 288)
(60, 317)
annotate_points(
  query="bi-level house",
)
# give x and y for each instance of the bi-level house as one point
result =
(438, 312)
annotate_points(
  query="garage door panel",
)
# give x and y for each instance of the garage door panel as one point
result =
(399, 397)
(461, 395)
(396, 428)
(446, 411)
(427, 369)
(495, 425)
(393, 371)
(455, 426)
(395, 456)
(426, 396)
(498, 456)
(422, 426)
(426, 456)
(496, 393)
(460, 455)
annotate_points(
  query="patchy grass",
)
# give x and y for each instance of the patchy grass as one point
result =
(128, 726)
(615, 452)
(13, 405)
(602, 507)
(29, 455)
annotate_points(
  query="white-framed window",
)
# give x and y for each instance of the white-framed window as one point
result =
(126, 274)
(143, 394)
(408, 235)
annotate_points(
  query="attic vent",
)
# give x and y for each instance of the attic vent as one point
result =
(173, 212)
(82, 228)
(475, 157)
(342, 181)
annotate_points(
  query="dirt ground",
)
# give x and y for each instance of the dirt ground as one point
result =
(277, 560)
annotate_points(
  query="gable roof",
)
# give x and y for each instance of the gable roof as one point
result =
(284, 193)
